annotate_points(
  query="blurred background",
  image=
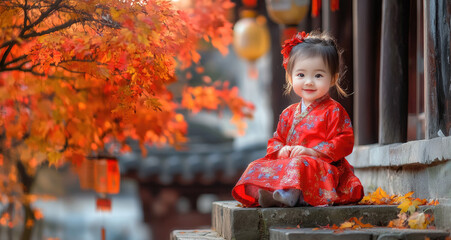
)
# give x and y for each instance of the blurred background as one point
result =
(166, 189)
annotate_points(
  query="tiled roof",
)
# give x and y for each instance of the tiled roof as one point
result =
(206, 163)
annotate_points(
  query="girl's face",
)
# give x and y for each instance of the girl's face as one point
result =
(311, 79)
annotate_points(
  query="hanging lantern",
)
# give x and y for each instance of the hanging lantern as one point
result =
(287, 12)
(100, 174)
(249, 3)
(107, 176)
(251, 38)
(86, 175)
(316, 6)
(103, 204)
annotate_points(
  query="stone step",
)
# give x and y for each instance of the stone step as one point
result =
(379, 233)
(197, 234)
(231, 221)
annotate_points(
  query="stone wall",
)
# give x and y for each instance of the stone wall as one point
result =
(422, 166)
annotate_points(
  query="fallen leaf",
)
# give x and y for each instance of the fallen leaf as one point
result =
(346, 225)
(360, 224)
(405, 205)
(417, 221)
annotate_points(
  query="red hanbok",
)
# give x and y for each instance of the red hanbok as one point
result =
(324, 126)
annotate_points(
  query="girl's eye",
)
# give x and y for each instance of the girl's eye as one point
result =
(318, 75)
(300, 75)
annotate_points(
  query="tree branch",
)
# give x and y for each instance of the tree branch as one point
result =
(25, 14)
(41, 18)
(11, 43)
(17, 60)
(72, 71)
(54, 29)
(27, 180)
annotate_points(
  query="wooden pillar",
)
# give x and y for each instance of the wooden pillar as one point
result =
(366, 19)
(437, 68)
(279, 101)
(394, 72)
(419, 104)
(340, 25)
(325, 16)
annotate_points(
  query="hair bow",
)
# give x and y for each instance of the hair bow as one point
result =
(289, 44)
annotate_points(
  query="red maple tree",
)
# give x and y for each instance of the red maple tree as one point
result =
(77, 74)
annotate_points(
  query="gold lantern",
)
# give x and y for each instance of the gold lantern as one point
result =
(287, 12)
(251, 38)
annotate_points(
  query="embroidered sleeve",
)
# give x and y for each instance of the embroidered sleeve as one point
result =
(279, 137)
(339, 140)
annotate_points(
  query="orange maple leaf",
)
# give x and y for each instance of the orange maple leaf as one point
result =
(359, 224)
(380, 197)
(38, 214)
(347, 225)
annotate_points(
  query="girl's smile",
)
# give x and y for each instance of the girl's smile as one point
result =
(309, 90)
(311, 78)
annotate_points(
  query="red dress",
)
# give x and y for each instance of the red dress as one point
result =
(324, 126)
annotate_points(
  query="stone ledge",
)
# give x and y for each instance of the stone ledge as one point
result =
(201, 234)
(423, 152)
(370, 234)
(233, 222)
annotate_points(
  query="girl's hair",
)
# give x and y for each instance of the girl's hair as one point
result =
(318, 44)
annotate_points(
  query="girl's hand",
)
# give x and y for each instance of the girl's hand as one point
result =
(284, 152)
(300, 150)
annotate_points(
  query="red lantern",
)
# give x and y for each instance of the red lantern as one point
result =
(249, 3)
(103, 204)
(107, 176)
(86, 175)
(316, 6)
(101, 175)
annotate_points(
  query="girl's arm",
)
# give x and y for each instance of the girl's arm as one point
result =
(339, 140)
(278, 141)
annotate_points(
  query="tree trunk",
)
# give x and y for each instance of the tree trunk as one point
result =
(27, 182)
(29, 215)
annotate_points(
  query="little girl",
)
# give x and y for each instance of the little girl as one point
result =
(305, 161)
